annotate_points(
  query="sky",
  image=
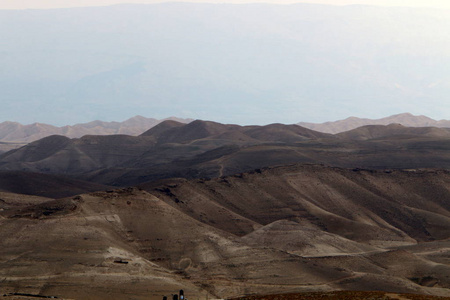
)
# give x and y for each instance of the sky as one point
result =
(258, 67)
(46, 4)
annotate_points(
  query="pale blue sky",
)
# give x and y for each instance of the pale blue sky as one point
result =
(245, 64)
(24, 4)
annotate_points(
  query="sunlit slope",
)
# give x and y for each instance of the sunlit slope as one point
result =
(391, 207)
(287, 229)
(132, 243)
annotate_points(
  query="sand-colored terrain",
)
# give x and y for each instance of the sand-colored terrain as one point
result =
(279, 230)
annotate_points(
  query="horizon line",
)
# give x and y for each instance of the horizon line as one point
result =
(240, 124)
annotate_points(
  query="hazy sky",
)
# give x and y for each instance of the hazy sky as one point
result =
(24, 4)
(245, 64)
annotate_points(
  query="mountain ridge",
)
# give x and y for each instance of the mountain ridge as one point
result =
(209, 149)
(17, 132)
(294, 228)
(405, 119)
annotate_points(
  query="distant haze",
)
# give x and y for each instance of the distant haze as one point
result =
(245, 64)
(44, 4)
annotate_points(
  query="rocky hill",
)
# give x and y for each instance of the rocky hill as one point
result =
(18, 133)
(209, 149)
(298, 228)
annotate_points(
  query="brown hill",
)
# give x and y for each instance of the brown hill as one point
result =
(135, 244)
(8, 146)
(75, 249)
(40, 149)
(22, 134)
(295, 238)
(14, 200)
(388, 203)
(45, 185)
(208, 149)
(405, 119)
(298, 228)
(394, 130)
(283, 133)
(390, 152)
(161, 128)
(195, 130)
(18, 133)
(169, 132)
(164, 144)
(61, 155)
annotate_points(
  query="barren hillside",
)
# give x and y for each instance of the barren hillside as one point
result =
(405, 119)
(204, 149)
(296, 228)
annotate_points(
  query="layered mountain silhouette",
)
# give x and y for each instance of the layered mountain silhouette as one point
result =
(209, 149)
(223, 210)
(143, 208)
(14, 132)
(14, 135)
(373, 132)
(405, 119)
(294, 228)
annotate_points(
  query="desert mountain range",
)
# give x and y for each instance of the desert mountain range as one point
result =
(16, 132)
(140, 209)
(224, 210)
(295, 228)
(14, 135)
(208, 149)
(405, 119)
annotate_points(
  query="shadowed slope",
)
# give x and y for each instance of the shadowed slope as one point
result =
(193, 131)
(283, 133)
(8, 146)
(129, 234)
(13, 200)
(173, 132)
(45, 185)
(39, 150)
(204, 149)
(166, 143)
(364, 206)
(394, 130)
(58, 154)
(70, 249)
(286, 229)
(161, 128)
